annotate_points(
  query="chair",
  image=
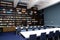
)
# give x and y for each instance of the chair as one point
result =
(50, 36)
(43, 36)
(36, 28)
(18, 31)
(23, 30)
(33, 28)
(33, 37)
(26, 28)
(59, 35)
(39, 27)
(56, 35)
(44, 27)
(30, 28)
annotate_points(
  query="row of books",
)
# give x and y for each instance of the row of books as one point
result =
(6, 23)
(11, 19)
(4, 3)
(7, 26)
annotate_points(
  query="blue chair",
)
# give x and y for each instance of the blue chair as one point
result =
(18, 31)
(36, 28)
(56, 35)
(44, 27)
(33, 28)
(23, 30)
(43, 36)
(50, 36)
(59, 34)
(30, 28)
(26, 28)
(39, 27)
(33, 37)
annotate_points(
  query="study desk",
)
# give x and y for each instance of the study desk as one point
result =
(38, 32)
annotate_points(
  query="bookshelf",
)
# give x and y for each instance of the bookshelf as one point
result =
(10, 16)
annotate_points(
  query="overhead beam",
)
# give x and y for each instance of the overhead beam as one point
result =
(42, 3)
(33, 2)
(47, 3)
(15, 2)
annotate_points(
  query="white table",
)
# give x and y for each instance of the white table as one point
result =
(38, 32)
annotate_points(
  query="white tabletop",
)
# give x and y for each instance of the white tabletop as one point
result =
(38, 32)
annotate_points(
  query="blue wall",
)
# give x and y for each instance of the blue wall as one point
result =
(52, 15)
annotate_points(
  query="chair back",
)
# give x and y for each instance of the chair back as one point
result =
(51, 34)
(43, 36)
(45, 27)
(57, 33)
(33, 37)
(39, 27)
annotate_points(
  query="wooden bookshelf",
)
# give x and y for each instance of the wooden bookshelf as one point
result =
(8, 29)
